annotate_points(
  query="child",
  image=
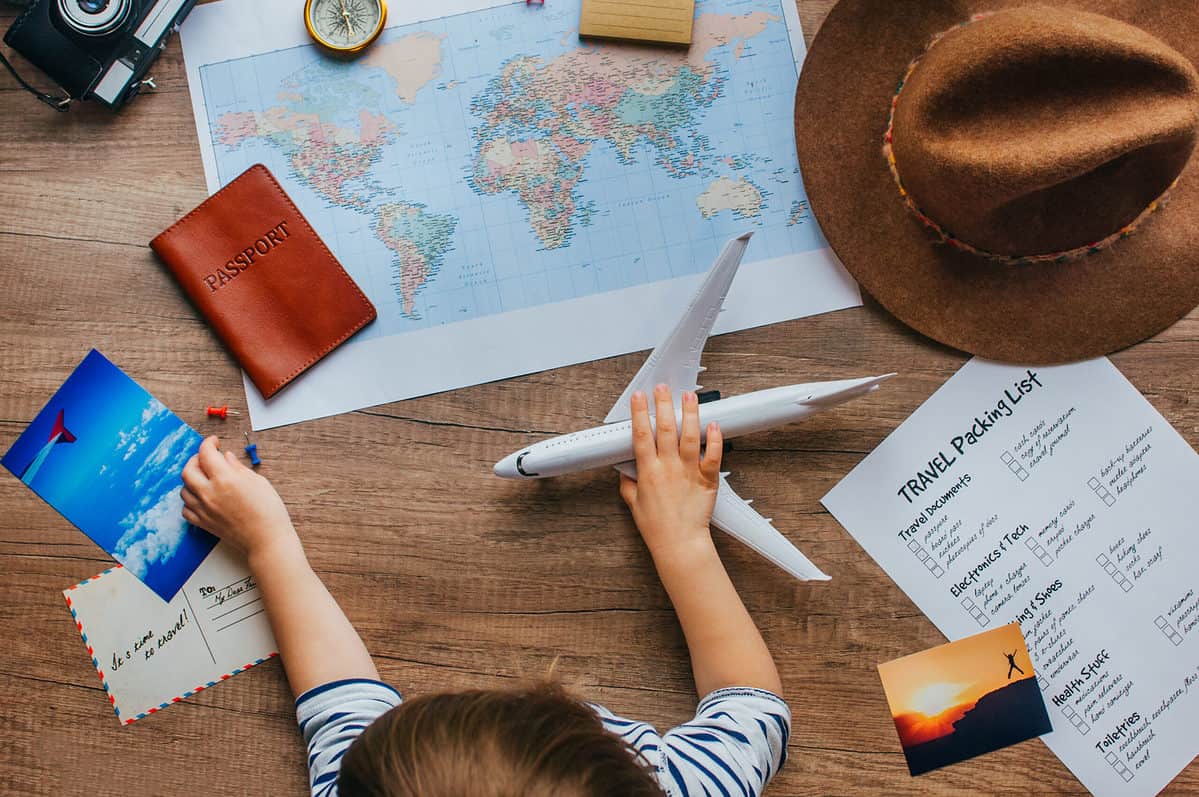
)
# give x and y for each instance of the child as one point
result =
(538, 741)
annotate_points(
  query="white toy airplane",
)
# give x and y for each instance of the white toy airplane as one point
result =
(676, 363)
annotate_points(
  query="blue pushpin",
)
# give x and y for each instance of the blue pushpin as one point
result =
(252, 451)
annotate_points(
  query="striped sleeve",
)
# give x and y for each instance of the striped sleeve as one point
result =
(331, 716)
(733, 747)
(641, 736)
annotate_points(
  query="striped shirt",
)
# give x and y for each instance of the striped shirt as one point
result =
(733, 746)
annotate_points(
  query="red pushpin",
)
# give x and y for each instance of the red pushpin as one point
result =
(252, 452)
(221, 412)
(534, 2)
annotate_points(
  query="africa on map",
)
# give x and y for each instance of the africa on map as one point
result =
(491, 161)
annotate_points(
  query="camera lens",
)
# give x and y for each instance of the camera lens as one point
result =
(94, 17)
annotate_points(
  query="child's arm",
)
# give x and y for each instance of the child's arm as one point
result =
(316, 642)
(671, 501)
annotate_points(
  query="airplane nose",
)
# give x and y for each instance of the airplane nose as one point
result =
(506, 467)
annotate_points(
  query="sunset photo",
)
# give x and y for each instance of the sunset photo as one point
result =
(965, 698)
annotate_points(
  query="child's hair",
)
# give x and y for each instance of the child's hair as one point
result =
(531, 742)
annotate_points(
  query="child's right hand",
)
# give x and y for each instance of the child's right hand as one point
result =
(675, 489)
(223, 496)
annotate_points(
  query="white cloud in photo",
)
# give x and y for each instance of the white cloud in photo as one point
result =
(165, 461)
(153, 409)
(129, 440)
(154, 530)
(153, 536)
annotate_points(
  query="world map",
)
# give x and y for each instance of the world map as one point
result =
(492, 161)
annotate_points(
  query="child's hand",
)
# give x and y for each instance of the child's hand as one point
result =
(675, 490)
(223, 496)
(672, 502)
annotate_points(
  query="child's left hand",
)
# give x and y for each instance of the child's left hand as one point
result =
(672, 501)
(675, 489)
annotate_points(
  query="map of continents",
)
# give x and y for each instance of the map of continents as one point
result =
(336, 161)
(540, 121)
(413, 144)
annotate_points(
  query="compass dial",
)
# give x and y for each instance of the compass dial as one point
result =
(345, 25)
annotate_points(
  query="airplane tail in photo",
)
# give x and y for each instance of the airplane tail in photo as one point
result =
(59, 433)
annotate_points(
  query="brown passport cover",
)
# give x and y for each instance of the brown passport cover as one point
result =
(271, 289)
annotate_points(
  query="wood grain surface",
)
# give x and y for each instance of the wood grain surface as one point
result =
(454, 578)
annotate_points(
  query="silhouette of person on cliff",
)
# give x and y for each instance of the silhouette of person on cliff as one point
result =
(1012, 665)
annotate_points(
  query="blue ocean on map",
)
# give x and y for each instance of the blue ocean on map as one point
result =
(491, 161)
(108, 456)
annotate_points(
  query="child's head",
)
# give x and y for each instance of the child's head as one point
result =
(536, 742)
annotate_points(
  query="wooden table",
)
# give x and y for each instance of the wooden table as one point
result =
(454, 578)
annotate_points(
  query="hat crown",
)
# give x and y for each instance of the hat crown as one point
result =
(1040, 130)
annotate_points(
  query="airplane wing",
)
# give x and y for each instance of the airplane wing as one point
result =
(734, 516)
(675, 361)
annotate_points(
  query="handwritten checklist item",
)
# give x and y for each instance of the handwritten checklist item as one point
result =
(1058, 498)
(151, 654)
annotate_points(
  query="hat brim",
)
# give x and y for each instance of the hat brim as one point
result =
(1034, 313)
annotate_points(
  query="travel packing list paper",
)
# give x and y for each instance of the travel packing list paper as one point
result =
(1057, 498)
(151, 654)
(108, 456)
(964, 698)
(512, 198)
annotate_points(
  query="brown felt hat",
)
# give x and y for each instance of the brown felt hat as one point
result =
(1018, 180)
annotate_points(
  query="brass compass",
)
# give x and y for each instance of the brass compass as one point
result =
(345, 26)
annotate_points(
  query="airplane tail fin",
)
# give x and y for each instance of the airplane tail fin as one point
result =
(60, 429)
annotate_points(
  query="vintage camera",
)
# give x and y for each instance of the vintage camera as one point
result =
(96, 49)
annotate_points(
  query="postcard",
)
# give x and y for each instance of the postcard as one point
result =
(151, 655)
(108, 456)
(964, 698)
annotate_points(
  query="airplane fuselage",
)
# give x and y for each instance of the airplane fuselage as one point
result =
(612, 443)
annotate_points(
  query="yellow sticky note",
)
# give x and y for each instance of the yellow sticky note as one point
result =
(659, 21)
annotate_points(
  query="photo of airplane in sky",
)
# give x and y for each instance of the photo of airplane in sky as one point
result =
(115, 472)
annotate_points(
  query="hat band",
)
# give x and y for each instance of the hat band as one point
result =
(946, 237)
